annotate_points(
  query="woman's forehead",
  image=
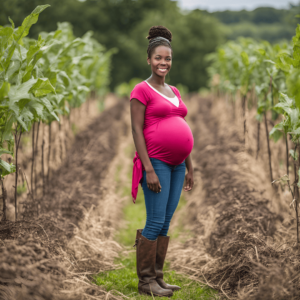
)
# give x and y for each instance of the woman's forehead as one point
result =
(163, 51)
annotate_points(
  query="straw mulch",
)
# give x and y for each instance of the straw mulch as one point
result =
(55, 255)
(242, 246)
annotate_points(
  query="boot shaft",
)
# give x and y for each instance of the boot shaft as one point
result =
(161, 252)
(145, 257)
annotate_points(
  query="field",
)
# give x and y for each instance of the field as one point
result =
(67, 221)
(233, 234)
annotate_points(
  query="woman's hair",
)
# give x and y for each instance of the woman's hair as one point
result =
(158, 36)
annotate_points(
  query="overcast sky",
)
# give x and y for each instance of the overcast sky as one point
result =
(213, 5)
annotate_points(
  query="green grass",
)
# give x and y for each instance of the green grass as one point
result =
(21, 188)
(101, 104)
(135, 216)
(125, 281)
(74, 128)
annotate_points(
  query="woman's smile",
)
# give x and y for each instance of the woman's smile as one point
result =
(163, 69)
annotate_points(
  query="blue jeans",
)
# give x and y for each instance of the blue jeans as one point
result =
(161, 206)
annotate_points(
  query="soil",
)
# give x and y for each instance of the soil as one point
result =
(241, 246)
(52, 256)
(243, 230)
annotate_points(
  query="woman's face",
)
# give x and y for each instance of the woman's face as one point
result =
(161, 60)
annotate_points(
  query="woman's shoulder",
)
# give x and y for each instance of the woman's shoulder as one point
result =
(139, 92)
(140, 86)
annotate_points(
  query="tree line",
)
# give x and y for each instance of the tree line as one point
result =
(124, 25)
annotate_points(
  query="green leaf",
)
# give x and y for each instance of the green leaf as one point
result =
(4, 151)
(6, 168)
(275, 134)
(42, 87)
(30, 67)
(25, 118)
(5, 34)
(294, 154)
(19, 92)
(245, 58)
(4, 90)
(8, 128)
(23, 30)
(11, 22)
(11, 51)
(37, 107)
(286, 99)
(33, 49)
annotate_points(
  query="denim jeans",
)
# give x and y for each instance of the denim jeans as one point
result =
(161, 206)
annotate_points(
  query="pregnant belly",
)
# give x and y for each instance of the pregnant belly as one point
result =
(170, 140)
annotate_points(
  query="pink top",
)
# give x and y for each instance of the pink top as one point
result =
(167, 135)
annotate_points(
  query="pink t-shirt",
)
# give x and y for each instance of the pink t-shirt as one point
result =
(167, 135)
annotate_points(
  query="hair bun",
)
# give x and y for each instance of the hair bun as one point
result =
(162, 31)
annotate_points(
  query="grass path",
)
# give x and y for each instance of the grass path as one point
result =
(125, 280)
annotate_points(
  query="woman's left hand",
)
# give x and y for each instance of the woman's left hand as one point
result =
(189, 181)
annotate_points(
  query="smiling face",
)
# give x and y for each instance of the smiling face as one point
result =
(161, 60)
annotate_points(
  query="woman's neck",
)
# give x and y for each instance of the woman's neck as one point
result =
(156, 80)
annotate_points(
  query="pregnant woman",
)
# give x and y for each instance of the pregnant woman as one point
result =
(163, 141)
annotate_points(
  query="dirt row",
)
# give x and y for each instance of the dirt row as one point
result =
(55, 255)
(241, 246)
(243, 233)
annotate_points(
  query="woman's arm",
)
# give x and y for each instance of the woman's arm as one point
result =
(137, 111)
(189, 177)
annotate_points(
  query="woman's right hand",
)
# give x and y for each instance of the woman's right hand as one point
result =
(153, 181)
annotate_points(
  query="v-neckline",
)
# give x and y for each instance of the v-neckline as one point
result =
(164, 96)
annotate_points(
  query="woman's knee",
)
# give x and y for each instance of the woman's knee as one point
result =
(152, 230)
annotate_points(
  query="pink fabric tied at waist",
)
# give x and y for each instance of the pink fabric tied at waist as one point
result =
(137, 175)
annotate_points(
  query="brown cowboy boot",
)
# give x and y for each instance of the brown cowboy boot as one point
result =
(161, 251)
(145, 266)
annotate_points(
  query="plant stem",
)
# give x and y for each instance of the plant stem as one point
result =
(269, 150)
(43, 169)
(287, 154)
(17, 143)
(4, 197)
(32, 163)
(49, 154)
(27, 184)
(258, 133)
(296, 193)
(60, 142)
(244, 112)
(36, 155)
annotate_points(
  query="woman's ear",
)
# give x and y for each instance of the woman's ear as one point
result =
(148, 61)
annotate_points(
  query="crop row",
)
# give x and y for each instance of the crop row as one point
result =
(246, 69)
(41, 80)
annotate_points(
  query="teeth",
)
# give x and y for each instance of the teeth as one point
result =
(162, 70)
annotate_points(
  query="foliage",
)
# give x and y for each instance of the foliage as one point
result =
(183, 89)
(247, 64)
(124, 25)
(44, 78)
(259, 15)
(124, 89)
(272, 73)
(273, 33)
